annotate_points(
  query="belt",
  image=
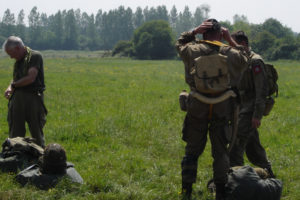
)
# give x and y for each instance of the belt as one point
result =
(213, 99)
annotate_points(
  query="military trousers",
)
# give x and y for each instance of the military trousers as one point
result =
(203, 119)
(248, 141)
(27, 107)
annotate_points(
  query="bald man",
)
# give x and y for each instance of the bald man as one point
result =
(25, 92)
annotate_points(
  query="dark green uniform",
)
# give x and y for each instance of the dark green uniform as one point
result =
(26, 103)
(253, 92)
(197, 122)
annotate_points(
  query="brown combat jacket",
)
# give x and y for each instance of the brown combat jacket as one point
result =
(190, 48)
(254, 87)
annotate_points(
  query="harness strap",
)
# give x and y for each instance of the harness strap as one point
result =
(213, 100)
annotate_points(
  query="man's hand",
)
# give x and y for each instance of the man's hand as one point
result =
(8, 92)
(226, 36)
(202, 28)
(255, 123)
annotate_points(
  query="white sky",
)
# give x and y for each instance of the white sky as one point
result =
(257, 11)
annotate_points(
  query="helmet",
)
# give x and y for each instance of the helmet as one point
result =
(54, 159)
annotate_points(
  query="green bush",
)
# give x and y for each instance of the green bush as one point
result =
(154, 40)
(123, 48)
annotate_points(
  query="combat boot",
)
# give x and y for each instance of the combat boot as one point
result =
(186, 192)
(220, 191)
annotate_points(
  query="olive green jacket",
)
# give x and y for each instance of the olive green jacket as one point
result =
(254, 87)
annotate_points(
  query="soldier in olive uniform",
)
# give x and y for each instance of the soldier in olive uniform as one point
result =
(253, 92)
(25, 93)
(201, 118)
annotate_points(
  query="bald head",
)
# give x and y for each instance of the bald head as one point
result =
(14, 47)
(12, 42)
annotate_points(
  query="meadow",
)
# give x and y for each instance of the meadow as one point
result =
(120, 123)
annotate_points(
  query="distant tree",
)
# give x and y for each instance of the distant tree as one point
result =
(275, 27)
(98, 20)
(44, 20)
(240, 18)
(227, 25)
(8, 18)
(93, 43)
(206, 9)
(185, 21)
(71, 31)
(154, 40)
(198, 17)
(162, 13)
(264, 44)
(124, 25)
(34, 27)
(173, 17)
(20, 29)
(138, 17)
(56, 26)
(240, 22)
(285, 51)
(116, 25)
(149, 14)
(8, 24)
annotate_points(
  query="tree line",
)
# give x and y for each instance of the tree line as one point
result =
(76, 30)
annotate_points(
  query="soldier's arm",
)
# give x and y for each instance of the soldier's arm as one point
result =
(26, 80)
(181, 44)
(183, 47)
(34, 66)
(261, 88)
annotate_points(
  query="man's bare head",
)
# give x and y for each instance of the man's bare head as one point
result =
(14, 47)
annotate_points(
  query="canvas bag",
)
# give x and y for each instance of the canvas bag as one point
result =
(211, 73)
(244, 183)
(33, 175)
(272, 77)
(19, 153)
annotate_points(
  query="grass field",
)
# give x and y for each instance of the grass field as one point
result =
(120, 123)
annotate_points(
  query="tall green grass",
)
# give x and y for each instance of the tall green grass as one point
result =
(120, 123)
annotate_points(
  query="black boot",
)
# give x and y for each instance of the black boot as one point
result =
(220, 191)
(186, 191)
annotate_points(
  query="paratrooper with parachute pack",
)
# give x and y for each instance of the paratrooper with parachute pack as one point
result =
(212, 71)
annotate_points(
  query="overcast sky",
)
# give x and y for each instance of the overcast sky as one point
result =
(257, 11)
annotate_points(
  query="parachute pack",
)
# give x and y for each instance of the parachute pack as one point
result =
(211, 73)
(272, 76)
(19, 153)
(34, 175)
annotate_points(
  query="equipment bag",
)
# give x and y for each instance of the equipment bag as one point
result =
(19, 153)
(272, 77)
(244, 183)
(33, 175)
(211, 73)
